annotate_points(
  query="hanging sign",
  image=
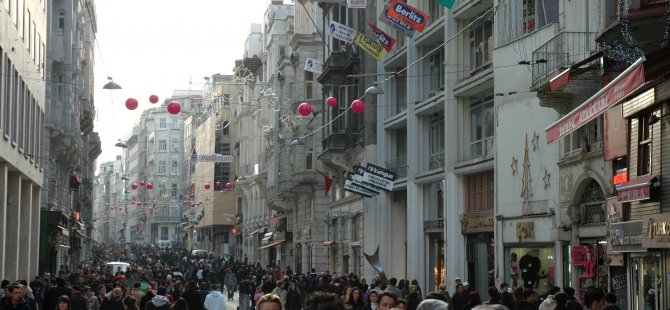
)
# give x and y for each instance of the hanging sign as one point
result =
(357, 178)
(370, 46)
(448, 3)
(215, 158)
(386, 40)
(342, 32)
(398, 25)
(408, 14)
(313, 65)
(357, 4)
(351, 186)
(379, 177)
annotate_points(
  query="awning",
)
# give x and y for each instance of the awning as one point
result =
(329, 243)
(271, 245)
(257, 230)
(636, 189)
(618, 89)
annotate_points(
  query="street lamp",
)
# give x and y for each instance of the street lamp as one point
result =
(111, 84)
(120, 144)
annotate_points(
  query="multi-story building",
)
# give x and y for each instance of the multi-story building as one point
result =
(22, 157)
(72, 146)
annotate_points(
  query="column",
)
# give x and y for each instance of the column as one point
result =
(3, 216)
(12, 229)
(35, 236)
(26, 229)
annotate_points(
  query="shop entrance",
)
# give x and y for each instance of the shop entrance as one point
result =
(646, 281)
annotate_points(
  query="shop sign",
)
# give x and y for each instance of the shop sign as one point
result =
(525, 230)
(636, 189)
(398, 25)
(619, 281)
(357, 4)
(379, 177)
(386, 40)
(473, 223)
(409, 15)
(279, 236)
(214, 158)
(342, 32)
(656, 231)
(313, 65)
(626, 236)
(620, 178)
(433, 225)
(370, 46)
(608, 96)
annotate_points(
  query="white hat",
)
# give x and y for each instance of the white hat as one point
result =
(457, 279)
(466, 283)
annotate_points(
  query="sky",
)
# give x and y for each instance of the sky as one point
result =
(152, 47)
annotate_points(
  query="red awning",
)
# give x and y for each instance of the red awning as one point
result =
(636, 189)
(622, 86)
(269, 245)
(329, 243)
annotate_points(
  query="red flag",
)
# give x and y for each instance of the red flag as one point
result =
(329, 181)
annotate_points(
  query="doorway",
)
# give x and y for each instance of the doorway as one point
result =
(646, 278)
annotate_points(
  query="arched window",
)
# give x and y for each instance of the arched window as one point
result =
(592, 202)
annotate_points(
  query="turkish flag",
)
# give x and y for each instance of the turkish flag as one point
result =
(328, 181)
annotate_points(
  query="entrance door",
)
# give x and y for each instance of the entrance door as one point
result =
(646, 280)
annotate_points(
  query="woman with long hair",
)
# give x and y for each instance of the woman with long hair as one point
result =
(355, 301)
(460, 298)
(413, 299)
(63, 303)
(293, 297)
(130, 303)
(373, 297)
(346, 293)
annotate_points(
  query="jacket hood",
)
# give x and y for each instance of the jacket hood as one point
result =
(159, 300)
(216, 294)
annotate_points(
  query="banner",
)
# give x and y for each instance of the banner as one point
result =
(313, 65)
(342, 32)
(357, 4)
(215, 158)
(370, 46)
(386, 40)
(379, 177)
(408, 14)
(398, 25)
(448, 3)
(616, 133)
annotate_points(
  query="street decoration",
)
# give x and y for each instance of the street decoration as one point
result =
(153, 99)
(174, 107)
(313, 65)
(358, 106)
(141, 183)
(331, 101)
(207, 186)
(342, 32)
(131, 104)
(150, 186)
(133, 186)
(217, 184)
(305, 109)
(229, 186)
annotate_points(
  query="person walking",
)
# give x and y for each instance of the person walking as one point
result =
(214, 300)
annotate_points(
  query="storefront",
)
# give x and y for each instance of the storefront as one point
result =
(626, 239)
(434, 230)
(653, 269)
(478, 230)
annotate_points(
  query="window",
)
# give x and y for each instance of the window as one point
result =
(436, 145)
(481, 126)
(479, 192)
(162, 145)
(585, 139)
(29, 28)
(341, 14)
(163, 123)
(644, 135)
(175, 167)
(161, 167)
(173, 192)
(226, 99)
(162, 191)
(436, 73)
(309, 152)
(61, 89)
(309, 85)
(164, 233)
(61, 21)
(20, 125)
(481, 45)
(538, 13)
(7, 109)
(15, 101)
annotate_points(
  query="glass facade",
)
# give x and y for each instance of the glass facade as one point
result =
(531, 267)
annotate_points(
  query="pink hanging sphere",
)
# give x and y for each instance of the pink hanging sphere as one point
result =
(133, 186)
(131, 104)
(358, 106)
(207, 186)
(141, 183)
(229, 186)
(304, 109)
(332, 102)
(150, 186)
(174, 107)
(217, 184)
(153, 98)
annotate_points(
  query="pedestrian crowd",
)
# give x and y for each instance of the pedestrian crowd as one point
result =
(174, 279)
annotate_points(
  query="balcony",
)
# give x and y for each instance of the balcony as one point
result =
(399, 165)
(588, 139)
(339, 141)
(338, 65)
(560, 53)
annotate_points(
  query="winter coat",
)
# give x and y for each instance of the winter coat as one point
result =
(159, 302)
(24, 304)
(215, 301)
(193, 299)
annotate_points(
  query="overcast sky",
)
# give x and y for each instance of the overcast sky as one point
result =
(156, 46)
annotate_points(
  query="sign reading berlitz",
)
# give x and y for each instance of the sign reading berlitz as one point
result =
(610, 95)
(386, 40)
(410, 15)
(398, 25)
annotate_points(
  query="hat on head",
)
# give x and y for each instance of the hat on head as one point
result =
(466, 283)
(457, 279)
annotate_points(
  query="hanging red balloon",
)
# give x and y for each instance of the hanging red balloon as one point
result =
(131, 104)
(207, 186)
(174, 107)
(141, 183)
(133, 186)
(217, 184)
(150, 186)
(332, 102)
(229, 186)
(153, 98)
(304, 109)
(358, 106)
(192, 205)
(146, 203)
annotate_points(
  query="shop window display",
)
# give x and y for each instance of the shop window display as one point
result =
(531, 267)
(589, 263)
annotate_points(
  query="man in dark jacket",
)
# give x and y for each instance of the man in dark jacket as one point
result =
(147, 297)
(159, 302)
(529, 301)
(115, 301)
(77, 301)
(192, 297)
(55, 292)
(16, 299)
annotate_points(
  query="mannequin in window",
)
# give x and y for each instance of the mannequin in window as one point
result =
(589, 263)
(530, 268)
